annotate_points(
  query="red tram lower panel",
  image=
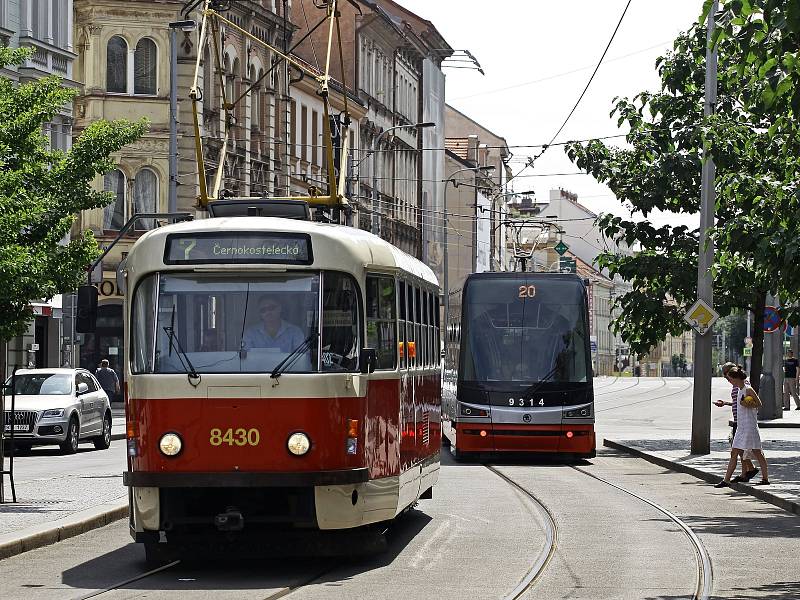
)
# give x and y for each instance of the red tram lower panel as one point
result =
(502, 437)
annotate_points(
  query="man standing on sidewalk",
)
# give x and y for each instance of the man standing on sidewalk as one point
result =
(108, 380)
(790, 381)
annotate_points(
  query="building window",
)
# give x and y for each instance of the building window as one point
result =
(114, 213)
(116, 65)
(145, 197)
(144, 67)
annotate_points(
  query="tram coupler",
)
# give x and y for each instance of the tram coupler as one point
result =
(230, 520)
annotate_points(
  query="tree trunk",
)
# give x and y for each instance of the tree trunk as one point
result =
(758, 340)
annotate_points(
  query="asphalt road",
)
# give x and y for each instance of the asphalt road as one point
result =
(480, 536)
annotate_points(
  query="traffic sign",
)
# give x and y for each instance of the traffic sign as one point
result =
(567, 265)
(561, 247)
(701, 317)
(747, 351)
(593, 343)
(772, 319)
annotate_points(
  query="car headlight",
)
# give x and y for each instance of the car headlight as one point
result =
(170, 444)
(53, 412)
(298, 444)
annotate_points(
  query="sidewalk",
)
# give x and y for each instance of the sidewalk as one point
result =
(791, 419)
(60, 496)
(783, 458)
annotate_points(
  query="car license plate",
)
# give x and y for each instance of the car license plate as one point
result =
(19, 427)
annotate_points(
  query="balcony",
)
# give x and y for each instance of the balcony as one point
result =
(46, 59)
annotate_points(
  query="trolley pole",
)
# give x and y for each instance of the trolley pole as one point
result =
(701, 407)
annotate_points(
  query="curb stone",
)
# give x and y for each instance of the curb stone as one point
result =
(761, 494)
(37, 536)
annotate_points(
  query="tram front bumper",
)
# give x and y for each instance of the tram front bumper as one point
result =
(566, 438)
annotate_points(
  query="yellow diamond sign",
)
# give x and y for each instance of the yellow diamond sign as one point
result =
(701, 317)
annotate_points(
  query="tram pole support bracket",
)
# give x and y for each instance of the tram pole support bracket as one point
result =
(175, 217)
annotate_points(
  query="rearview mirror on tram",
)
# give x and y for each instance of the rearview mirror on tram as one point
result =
(368, 359)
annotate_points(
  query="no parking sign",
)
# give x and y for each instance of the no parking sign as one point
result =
(772, 319)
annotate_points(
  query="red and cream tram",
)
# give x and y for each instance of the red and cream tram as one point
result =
(282, 376)
(518, 370)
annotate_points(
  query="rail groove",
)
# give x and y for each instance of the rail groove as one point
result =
(551, 535)
(705, 572)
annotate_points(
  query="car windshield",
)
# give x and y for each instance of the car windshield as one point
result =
(245, 324)
(518, 331)
(41, 384)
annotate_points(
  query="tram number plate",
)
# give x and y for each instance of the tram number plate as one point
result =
(525, 402)
(234, 437)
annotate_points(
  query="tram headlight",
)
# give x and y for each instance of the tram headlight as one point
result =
(582, 412)
(298, 444)
(170, 444)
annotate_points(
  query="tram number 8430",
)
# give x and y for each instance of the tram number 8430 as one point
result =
(238, 437)
(521, 402)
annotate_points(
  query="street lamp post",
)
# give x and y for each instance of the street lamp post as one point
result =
(375, 141)
(187, 26)
(446, 291)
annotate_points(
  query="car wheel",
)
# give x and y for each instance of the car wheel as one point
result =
(103, 441)
(70, 445)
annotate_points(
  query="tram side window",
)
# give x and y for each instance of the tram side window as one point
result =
(418, 329)
(340, 323)
(143, 326)
(381, 332)
(426, 340)
(411, 348)
(437, 321)
(402, 346)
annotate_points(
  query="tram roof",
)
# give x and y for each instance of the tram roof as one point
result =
(334, 245)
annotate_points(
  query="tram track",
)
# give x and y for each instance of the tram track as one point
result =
(638, 379)
(663, 384)
(551, 539)
(675, 393)
(704, 570)
(705, 573)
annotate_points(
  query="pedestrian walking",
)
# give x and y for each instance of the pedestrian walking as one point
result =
(748, 470)
(747, 436)
(108, 380)
(790, 381)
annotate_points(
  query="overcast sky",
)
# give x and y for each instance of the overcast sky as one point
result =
(547, 51)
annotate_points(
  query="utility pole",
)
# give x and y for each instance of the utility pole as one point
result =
(701, 406)
(188, 25)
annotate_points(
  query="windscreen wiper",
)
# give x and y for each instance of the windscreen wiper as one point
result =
(182, 356)
(285, 363)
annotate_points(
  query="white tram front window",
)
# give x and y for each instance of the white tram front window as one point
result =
(222, 324)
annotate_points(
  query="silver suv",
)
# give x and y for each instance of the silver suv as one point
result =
(57, 406)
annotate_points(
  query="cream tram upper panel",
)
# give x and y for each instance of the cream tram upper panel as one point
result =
(334, 247)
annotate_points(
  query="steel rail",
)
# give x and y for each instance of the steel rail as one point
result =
(705, 572)
(125, 582)
(647, 399)
(663, 384)
(608, 384)
(623, 389)
(551, 533)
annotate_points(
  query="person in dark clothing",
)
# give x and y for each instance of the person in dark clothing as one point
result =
(790, 382)
(108, 380)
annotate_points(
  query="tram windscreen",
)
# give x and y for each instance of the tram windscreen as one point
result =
(525, 330)
(232, 324)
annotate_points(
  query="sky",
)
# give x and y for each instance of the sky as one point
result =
(538, 56)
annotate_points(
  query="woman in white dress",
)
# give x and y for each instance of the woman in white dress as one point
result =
(747, 436)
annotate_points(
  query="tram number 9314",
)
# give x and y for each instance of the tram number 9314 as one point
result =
(522, 401)
(234, 437)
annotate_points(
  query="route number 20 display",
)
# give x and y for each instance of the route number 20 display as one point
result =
(234, 437)
(527, 291)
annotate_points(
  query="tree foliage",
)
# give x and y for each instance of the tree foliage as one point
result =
(42, 191)
(756, 234)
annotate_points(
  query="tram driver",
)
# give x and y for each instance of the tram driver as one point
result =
(273, 332)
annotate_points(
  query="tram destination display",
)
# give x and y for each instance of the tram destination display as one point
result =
(240, 247)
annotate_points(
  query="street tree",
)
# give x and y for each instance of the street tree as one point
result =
(660, 170)
(42, 190)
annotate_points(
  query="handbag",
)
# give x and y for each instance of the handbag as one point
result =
(750, 399)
